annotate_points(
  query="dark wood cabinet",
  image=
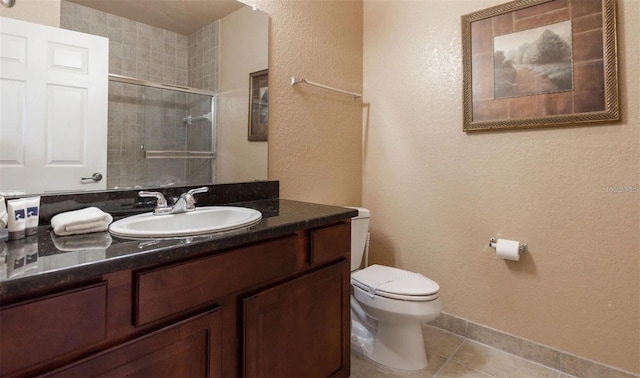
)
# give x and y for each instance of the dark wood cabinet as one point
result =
(42, 329)
(169, 290)
(298, 329)
(191, 348)
(277, 307)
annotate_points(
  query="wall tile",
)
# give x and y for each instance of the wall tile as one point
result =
(114, 34)
(534, 352)
(142, 115)
(587, 369)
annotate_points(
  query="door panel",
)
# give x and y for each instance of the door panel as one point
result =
(13, 94)
(67, 130)
(53, 113)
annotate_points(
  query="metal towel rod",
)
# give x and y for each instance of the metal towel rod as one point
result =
(295, 81)
(170, 154)
(145, 83)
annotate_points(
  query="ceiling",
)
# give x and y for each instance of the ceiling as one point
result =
(180, 16)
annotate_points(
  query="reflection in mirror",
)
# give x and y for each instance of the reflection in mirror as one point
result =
(159, 137)
(151, 132)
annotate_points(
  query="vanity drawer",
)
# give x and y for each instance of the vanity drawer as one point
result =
(38, 330)
(166, 291)
(190, 348)
(330, 243)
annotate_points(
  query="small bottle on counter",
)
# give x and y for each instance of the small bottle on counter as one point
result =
(32, 205)
(17, 218)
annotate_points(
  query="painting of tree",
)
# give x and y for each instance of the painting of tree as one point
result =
(533, 61)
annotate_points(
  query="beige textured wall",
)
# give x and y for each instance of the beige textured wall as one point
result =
(239, 159)
(437, 194)
(46, 12)
(314, 135)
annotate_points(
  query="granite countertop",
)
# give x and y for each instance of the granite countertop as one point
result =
(44, 261)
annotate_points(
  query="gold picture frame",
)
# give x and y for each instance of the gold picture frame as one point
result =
(540, 63)
(259, 106)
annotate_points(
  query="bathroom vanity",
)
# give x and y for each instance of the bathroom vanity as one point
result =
(271, 300)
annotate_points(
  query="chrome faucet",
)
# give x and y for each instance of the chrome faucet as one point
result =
(185, 203)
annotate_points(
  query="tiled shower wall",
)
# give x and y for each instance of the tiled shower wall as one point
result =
(203, 47)
(151, 118)
(203, 65)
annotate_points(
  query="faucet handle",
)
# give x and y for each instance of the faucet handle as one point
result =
(188, 197)
(162, 202)
(204, 189)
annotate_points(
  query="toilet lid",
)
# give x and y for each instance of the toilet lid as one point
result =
(381, 280)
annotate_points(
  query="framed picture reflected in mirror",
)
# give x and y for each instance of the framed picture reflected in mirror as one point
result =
(259, 105)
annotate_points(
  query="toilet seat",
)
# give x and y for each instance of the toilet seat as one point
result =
(394, 283)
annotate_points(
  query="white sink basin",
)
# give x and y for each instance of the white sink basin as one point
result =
(204, 220)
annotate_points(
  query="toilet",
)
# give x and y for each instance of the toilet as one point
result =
(388, 306)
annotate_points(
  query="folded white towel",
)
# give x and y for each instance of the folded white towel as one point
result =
(81, 221)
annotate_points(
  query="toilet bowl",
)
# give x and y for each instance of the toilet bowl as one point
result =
(388, 306)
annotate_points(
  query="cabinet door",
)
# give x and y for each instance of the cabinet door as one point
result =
(300, 328)
(44, 329)
(167, 291)
(191, 348)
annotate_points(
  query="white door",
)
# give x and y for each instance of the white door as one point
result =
(53, 108)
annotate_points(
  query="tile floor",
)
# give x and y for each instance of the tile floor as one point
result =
(451, 355)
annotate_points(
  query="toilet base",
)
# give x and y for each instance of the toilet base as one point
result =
(398, 346)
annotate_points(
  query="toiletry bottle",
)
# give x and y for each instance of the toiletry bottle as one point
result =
(32, 205)
(17, 218)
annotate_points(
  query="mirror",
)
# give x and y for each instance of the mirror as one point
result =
(210, 45)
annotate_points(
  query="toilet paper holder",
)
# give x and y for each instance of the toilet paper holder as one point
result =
(522, 248)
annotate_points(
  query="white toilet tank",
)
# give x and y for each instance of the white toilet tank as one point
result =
(359, 230)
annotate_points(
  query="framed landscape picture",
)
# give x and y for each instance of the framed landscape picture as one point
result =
(259, 106)
(537, 63)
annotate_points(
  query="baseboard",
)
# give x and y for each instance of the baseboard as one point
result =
(556, 359)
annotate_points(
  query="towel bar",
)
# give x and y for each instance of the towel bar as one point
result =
(295, 81)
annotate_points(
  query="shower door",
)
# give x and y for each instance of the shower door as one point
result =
(159, 136)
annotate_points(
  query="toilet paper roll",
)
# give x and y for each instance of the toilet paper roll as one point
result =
(508, 249)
